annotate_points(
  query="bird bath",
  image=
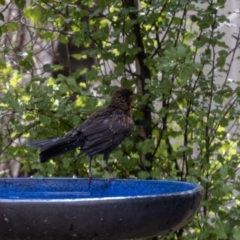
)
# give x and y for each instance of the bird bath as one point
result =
(71, 208)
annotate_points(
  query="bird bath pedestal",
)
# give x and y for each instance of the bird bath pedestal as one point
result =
(68, 208)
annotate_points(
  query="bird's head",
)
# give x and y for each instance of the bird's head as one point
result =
(122, 98)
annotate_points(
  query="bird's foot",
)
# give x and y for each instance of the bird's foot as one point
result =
(90, 177)
(111, 177)
(89, 181)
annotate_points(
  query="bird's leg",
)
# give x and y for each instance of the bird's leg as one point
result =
(90, 170)
(105, 158)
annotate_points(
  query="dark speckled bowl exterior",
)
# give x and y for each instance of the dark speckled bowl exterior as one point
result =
(68, 208)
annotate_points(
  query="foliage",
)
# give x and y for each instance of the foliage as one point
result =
(186, 112)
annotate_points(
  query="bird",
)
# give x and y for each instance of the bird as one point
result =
(99, 134)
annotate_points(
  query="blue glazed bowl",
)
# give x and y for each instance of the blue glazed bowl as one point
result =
(71, 208)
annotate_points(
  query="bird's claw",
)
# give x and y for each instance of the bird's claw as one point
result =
(111, 177)
(89, 181)
(90, 177)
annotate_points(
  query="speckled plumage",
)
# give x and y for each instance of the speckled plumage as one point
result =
(101, 133)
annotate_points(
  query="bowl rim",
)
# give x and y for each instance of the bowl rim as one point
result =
(197, 188)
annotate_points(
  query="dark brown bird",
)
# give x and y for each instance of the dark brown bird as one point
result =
(101, 133)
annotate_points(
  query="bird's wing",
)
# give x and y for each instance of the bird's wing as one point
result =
(106, 133)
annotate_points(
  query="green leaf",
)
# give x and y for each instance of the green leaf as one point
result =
(79, 56)
(45, 119)
(63, 88)
(71, 81)
(185, 73)
(1, 17)
(119, 68)
(2, 63)
(236, 233)
(143, 175)
(10, 26)
(220, 229)
(92, 74)
(20, 3)
(34, 13)
(47, 35)
(63, 39)
(48, 68)
(222, 58)
(224, 122)
(27, 64)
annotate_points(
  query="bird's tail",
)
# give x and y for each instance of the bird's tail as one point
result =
(57, 146)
